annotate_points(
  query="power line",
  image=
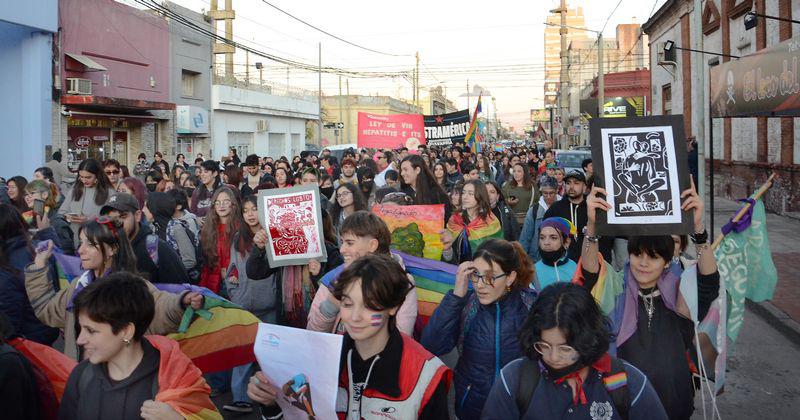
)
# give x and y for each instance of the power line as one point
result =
(330, 34)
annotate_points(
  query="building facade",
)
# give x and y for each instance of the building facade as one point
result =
(552, 50)
(26, 51)
(745, 150)
(113, 82)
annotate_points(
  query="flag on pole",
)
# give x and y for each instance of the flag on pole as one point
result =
(472, 133)
(745, 263)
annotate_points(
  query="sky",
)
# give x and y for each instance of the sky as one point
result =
(497, 45)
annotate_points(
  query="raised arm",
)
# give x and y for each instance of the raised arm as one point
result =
(589, 254)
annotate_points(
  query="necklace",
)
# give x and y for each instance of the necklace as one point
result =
(649, 304)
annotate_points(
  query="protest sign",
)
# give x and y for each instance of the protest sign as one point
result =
(641, 162)
(292, 218)
(415, 229)
(304, 366)
(390, 131)
(446, 129)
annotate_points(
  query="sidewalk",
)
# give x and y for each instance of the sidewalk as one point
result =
(783, 311)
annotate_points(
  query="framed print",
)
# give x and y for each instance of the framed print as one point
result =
(292, 218)
(642, 164)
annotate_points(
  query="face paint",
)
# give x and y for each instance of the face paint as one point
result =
(376, 320)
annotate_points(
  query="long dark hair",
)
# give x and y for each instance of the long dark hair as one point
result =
(162, 206)
(427, 191)
(21, 183)
(103, 184)
(573, 310)
(481, 197)
(244, 241)
(12, 225)
(527, 182)
(107, 231)
(359, 202)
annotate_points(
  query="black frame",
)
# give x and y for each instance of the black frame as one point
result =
(686, 226)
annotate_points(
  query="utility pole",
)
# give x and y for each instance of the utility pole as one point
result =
(347, 124)
(247, 68)
(699, 107)
(601, 79)
(564, 78)
(341, 118)
(416, 82)
(470, 112)
(319, 93)
(226, 15)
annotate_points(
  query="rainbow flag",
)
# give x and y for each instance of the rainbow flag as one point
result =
(68, 268)
(222, 334)
(472, 134)
(55, 365)
(181, 384)
(433, 280)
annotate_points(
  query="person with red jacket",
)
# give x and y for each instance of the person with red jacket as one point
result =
(381, 368)
(222, 221)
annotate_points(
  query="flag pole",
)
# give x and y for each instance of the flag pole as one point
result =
(761, 190)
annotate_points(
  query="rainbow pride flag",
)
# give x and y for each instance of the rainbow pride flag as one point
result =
(222, 334)
(472, 134)
(433, 280)
(68, 268)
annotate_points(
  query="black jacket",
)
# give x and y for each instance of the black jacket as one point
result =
(19, 394)
(508, 220)
(575, 213)
(170, 268)
(105, 398)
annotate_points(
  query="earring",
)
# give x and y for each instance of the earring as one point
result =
(508, 288)
(127, 341)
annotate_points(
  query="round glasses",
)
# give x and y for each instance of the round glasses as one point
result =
(561, 351)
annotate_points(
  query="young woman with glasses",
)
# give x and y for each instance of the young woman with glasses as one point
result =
(347, 200)
(483, 321)
(222, 221)
(566, 371)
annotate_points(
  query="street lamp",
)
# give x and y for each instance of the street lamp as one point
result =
(669, 46)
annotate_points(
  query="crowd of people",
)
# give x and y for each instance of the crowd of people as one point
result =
(532, 340)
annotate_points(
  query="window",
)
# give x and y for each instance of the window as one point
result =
(242, 141)
(184, 145)
(188, 80)
(666, 99)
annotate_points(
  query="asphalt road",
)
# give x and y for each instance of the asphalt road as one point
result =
(763, 379)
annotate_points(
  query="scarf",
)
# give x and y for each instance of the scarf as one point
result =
(602, 365)
(476, 232)
(297, 293)
(667, 284)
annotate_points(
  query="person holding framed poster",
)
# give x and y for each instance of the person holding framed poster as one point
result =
(650, 317)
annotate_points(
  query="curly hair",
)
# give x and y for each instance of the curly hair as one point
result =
(573, 310)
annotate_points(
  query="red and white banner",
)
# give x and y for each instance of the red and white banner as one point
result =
(390, 131)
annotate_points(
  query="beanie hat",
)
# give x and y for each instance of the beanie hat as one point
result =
(560, 224)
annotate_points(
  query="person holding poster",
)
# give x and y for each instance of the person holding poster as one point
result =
(650, 318)
(381, 368)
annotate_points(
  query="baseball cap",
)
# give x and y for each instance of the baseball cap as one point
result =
(122, 202)
(578, 175)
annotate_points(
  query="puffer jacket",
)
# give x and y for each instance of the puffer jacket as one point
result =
(488, 340)
(14, 301)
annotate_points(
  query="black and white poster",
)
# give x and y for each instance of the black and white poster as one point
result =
(642, 164)
(446, 129)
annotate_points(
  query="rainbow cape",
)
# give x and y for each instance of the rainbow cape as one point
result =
(181, 384)
(222, 334)
(476, 232)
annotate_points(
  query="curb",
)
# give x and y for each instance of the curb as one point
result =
(777, 319)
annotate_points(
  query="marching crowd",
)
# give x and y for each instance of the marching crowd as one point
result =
(523, 313)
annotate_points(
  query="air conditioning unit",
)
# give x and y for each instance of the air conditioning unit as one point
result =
(77, 86)
(262, 126)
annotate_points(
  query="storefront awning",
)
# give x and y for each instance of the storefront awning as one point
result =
(87, 62)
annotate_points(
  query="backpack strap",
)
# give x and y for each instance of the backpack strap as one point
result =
(151, 243)
(528, 380)
(616, 383)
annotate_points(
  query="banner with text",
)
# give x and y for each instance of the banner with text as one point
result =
(390, 131)
(446, 129)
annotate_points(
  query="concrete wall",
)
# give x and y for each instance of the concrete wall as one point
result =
(132, 44)
(190, 50)
(26, 83)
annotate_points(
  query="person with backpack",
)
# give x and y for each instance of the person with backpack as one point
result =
(160, 210)
(155, 258)
(566, 371)
(482, 322)
(126, 375)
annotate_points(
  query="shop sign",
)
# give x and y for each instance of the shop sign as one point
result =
(191, 120)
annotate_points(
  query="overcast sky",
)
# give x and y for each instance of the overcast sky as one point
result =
(497, 45)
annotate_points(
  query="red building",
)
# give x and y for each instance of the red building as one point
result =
(626, 84)
(113, 69)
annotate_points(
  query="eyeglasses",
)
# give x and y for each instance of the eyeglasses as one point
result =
(561, 351)
(222, 203)
(343, 193)
(488, 280)
(113, 172)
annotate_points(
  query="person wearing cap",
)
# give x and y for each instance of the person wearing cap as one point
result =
(348, 173)
(529, 237)
(573, 208)
(555, 266)
(155, 258)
